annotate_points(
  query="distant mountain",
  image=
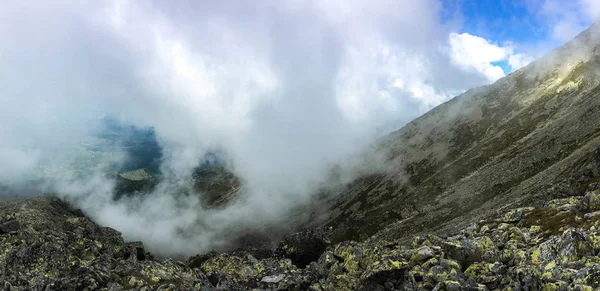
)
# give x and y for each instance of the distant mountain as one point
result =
(139, 144)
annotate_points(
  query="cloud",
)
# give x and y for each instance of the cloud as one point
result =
(565, 19)
(592, 7)
(519, 60)
(286, 88)
(476, 53)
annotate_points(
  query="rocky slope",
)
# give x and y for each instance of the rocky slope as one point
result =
(524, 139)
(47, 245)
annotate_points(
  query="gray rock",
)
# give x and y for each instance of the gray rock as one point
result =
(425, 253)
(592, 214)
(9, 226)
(273, 279)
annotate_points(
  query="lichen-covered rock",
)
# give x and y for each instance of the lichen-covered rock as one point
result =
(468, 251)
(47, 245)
(55, 247)
(422, 254)
(591, 201)
(239, 271)
(515, 215)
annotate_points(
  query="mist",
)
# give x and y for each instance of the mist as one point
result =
(286, 89)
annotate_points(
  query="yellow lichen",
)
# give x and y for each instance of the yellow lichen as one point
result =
(535, 257)
(397, 264)
(73, 220)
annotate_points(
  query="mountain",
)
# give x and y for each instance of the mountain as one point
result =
(528, 138)
(496, 189)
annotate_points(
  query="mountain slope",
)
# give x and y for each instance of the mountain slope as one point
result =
(45, 244)
(491, 147)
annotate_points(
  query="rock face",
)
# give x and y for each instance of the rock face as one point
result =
(529, 137)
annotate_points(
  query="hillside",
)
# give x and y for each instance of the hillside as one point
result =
(523, 140)
(48, 245)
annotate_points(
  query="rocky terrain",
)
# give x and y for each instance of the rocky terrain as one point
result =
(497, 189)
(48, 245)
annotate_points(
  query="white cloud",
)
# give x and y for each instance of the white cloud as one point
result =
(285, 96)
(592, 8)
(566, 19)
(517, 61)
(476, 53)
(565, 29)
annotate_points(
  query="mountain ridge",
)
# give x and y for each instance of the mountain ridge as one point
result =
(490, 141)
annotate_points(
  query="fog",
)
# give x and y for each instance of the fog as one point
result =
(287, 89)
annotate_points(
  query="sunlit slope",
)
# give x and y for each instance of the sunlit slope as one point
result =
(489, 148)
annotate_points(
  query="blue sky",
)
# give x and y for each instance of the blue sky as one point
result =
(531, 27)
(501, 20)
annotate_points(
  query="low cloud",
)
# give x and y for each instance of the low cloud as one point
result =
(286, 89)
(565, 19)
(480, 55)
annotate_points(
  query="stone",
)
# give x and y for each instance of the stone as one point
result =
(468, 251)
(593, 200)
(9, 226)
(453, 286)
(498, 268)
(423, 254)
(592, 214)
(273, 278)
(449, 264)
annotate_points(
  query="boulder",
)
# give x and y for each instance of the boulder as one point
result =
(9, 226)
(469, 251)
